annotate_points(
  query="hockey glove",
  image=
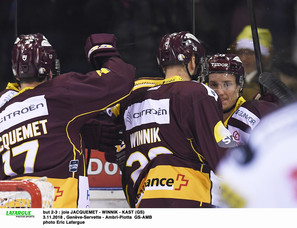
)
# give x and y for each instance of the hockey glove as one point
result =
(267, 96)
(99, 47)
(101, 135)
(118, 157)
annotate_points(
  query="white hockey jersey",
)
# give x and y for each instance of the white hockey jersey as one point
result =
(263, 173)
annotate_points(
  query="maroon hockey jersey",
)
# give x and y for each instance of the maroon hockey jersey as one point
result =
(39, 127)
(246, 116)
(174, 137)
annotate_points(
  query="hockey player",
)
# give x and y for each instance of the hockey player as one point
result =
(41, 117)
(226, 78)
(263, 173)
(173, 132)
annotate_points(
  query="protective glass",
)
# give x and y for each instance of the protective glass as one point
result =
(223, 85)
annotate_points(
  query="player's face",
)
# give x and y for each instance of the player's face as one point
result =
(225, 86)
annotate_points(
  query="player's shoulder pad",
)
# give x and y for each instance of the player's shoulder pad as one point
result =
(195, 89)
(147, 82)
(260, 105)
(210, 92)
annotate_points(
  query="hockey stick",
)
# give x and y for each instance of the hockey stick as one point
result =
(255, 41)
(267, 80)
(277, 87)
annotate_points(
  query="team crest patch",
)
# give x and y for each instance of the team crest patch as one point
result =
(73, 166)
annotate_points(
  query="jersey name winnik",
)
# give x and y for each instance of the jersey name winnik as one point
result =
(145, 136)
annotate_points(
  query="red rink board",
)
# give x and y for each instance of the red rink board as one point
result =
(102, 174)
